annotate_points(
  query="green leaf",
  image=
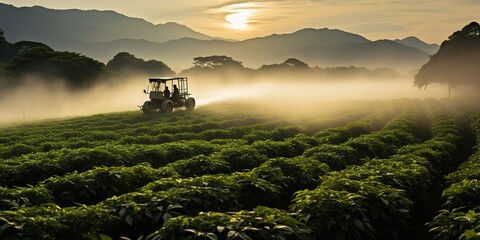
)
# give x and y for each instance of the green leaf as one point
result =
(358, 224)
(230, 234)
(173, 206)
(104, 237)
(97, 237)
(244, 236)
(122, 212)
(250, 228)
(166, 217)
(190, 230)
(212, 236)
(283, 227)
(129, 220)
(220, 229)
(470, 234)
(156, 218)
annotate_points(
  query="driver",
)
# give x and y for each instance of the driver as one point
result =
(176, 93)
(166, 93)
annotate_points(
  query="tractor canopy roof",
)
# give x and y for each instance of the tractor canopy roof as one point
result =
(165, 79)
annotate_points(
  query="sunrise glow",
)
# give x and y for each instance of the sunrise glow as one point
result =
(238, 20)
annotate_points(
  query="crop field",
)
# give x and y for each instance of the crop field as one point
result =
(393, 169)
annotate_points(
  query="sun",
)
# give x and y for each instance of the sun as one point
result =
(239, 20)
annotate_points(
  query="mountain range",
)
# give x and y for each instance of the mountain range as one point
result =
(102, 34)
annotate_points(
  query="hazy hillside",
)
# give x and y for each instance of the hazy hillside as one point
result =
(103, 34)
(417, 43)
(322, 47)
(54, 27)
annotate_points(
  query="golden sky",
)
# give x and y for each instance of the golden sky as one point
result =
(430, 20)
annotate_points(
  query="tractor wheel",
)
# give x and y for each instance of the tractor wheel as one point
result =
(190, 104)
(167, 106)
(148, 107)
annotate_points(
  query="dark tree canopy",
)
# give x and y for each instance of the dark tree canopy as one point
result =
(457, 62)
(126, 62)
(220, 67)
(12, 50)
(216, 62)
(289, 65)
(75, 69)
(4, 46)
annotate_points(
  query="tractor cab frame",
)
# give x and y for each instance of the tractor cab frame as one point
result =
(161, 100)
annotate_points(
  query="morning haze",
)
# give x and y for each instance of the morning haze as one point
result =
(118, 52)
(319, 59)
(223, 120)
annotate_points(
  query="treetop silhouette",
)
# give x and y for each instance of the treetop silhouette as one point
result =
(456, 63)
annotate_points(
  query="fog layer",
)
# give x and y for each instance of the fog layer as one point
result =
(34, 101)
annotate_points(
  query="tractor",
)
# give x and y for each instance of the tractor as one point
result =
(167, 93)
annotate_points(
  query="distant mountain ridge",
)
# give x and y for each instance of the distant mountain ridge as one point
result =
(52, 26)
(417, 43)
(103, 34)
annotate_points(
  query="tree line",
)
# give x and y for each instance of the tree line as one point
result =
(26, 58)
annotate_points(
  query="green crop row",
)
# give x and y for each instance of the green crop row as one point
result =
(296, 146)
(149, 206)
(396, 133)
(130, 128)
(283, 172)
(90, 139)
(239, 190)
(461, 218)
(260, 223)
(42, 166)
(87, 188)
(100, 183)
(373, 200)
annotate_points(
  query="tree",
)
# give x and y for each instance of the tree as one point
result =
(127, 63)
(75, 69)
(457, 61)
(216, 62)
(296, 64)
(288, 66)
(4, 45)
(15, 49)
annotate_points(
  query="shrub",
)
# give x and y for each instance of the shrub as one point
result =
(334, 214)
(456, 224)
(273, 149)
(241, 157)
(16, 149)
(99, 183)
(387, 207)
(23, 197)
(260, 223)
(465, 193)
(292, 174)
(200, 165)
(336, 156)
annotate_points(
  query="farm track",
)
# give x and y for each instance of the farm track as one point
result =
(234, 167)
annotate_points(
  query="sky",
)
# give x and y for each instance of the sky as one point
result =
(430, 20)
